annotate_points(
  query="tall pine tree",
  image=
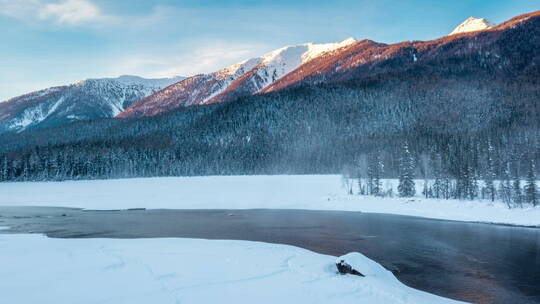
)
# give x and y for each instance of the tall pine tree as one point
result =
(531, 192)
(375, 170)
(406, 173)
(489, 176)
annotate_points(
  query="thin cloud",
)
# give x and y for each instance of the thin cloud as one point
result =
(19, 9)
(209, 58)
(70, 12)
(67, 12)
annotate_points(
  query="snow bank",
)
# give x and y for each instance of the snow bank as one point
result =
(311, 192)
(36, 269)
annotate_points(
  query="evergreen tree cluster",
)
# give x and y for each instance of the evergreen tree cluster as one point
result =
(496, 177)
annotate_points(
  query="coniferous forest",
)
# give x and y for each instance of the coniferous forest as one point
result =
(457, 133)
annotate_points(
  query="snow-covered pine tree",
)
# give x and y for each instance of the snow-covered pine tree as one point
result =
(375, 170)
(425, 170)
(489, 176)
(406, 175)
(530, 191)
(370, 175)
(438, 182)
(361, 174)
(517, 195)
(347, 182)
(505, 188)
(426, 190)
(446, 188)
(4, 169)
(473, 188)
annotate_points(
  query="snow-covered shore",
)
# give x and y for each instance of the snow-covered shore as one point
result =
(36, 269)
(310, 192)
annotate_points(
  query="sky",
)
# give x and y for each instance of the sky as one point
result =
(45, 43)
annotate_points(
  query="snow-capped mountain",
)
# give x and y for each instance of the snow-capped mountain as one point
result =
(244, 78)
(472, 25)
(87, 99)
(275, 65)
(367, 59)
(191, 91)
(303, 64)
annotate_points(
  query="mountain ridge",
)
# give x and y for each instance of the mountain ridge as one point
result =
(346, 57)
(368, 59)
(283, 68)
(244, 78)
(84, 100)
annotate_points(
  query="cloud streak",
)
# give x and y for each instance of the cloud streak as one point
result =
(66, 12)
(70, 12)
(207, 58)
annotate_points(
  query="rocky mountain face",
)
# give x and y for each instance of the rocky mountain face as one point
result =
(84, 100)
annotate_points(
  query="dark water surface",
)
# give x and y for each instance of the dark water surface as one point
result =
(472, 262)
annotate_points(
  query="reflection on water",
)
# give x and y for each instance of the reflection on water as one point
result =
(472, 262)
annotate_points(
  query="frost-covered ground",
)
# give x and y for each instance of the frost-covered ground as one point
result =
(312, 192)
(36, 269)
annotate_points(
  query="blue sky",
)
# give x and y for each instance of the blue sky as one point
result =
(54, 42)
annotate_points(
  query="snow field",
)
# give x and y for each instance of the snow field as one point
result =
(309, 192)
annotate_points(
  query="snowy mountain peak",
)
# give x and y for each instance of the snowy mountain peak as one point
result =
(282, 61)
(471, 25)
(288, 55)
(316, 50)
(305, 52)
(242, 79)
(237, 69)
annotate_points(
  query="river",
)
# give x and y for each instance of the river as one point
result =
(473, 262)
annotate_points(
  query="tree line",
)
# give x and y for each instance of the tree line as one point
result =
(458, 133)
(495, 178)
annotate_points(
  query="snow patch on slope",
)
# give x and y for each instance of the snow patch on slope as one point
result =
(472, 25)
(229, 74)
(36, 114)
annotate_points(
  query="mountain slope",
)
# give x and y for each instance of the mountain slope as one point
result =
(274, 66)
(87, 99)
(191, 91)
(508, 49)
(328, 63)
(242, 79)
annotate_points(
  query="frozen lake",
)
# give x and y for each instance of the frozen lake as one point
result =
(473, 262)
